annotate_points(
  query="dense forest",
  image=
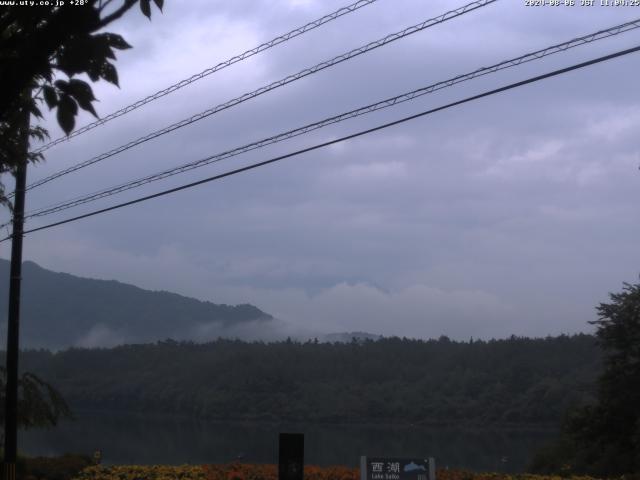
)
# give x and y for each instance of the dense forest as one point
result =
(512, 381)
(602, 439)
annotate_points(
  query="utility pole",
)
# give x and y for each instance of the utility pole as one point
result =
(13, 330)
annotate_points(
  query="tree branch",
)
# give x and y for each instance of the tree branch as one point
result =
(104, 5)
(118, 13)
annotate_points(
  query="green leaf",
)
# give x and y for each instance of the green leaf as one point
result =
(81, 90)
(109, 73)
(67, 110)
(145, 6)
(93, 70)
(35, 111)
(82, 93)
(116, 41)
(74, 58)
(33, 157)
(62, 85)
(100, 49)
(85, 54)
(39, 133)
(50, 96)
(159, 4)
(71, 103)
(108, 53)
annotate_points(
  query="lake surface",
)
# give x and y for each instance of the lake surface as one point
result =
(126, 438)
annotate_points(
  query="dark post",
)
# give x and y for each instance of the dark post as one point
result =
(13, 332)
(291, 456)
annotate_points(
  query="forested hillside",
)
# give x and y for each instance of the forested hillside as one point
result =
(515, 381)
(88, 312)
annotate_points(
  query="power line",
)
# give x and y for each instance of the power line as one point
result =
(289, 79)
(341, 139)
(536, 55)
(194, 78)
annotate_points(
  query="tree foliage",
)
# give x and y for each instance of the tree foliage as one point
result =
(604, 438)
(514, 381)
(42, 51)
(39, 404)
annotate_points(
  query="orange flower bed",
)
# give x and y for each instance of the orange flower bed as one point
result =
(467, 475)
(242, 471)
(237, 471)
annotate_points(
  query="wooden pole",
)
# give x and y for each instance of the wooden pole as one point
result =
(13, 329)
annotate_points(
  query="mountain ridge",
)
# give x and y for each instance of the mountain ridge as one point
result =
(93, 312)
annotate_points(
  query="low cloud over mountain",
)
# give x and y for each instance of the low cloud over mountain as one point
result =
(60, 310)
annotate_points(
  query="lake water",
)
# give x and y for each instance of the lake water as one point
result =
(143, 439)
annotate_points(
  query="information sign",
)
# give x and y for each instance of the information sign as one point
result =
(392, 468)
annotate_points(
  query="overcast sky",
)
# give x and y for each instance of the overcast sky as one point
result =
(514, 214)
